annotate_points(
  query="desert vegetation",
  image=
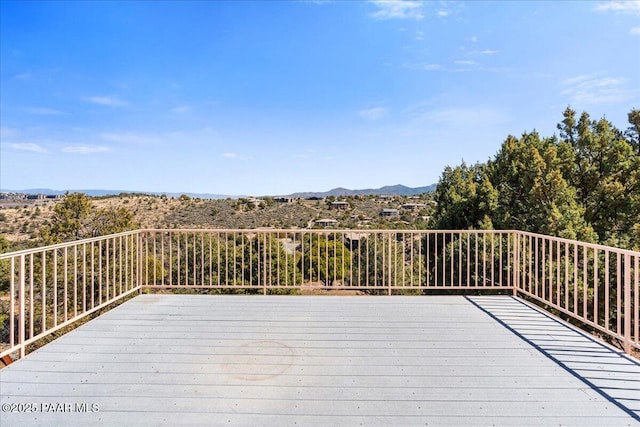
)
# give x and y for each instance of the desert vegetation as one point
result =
(78, 216)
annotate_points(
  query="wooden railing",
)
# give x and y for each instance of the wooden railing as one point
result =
(50, 288)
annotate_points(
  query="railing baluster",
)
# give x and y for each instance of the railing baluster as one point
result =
(12, 302)
(120, 269)
(100, 272)
(468, 266)
(493, 272)
(451, 258)
(477, 260)
(484, 259)
(55, 287)
(618, 293)
(636, 300)
(31, 283)
(44, 291)
(124, 259)
(558, 263)
(444, 282)
(21, 314)
(84, 277)
(607, 286)
(596, 302)
(575, 280)
(627, 304)
(75, 281)
(65, 279)
(588, 285)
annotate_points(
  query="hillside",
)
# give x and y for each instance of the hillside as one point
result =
(21, 222)
(394, 190)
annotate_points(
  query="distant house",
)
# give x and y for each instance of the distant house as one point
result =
(285, 200)
(327, 222)
(413, 206)
(255, 202)
(340, 205)
(389, 212)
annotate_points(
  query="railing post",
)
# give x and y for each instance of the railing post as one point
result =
(21, 318)
(627, 304)
(139, 258)
(515, 282)
(264, 265)
(12, 302)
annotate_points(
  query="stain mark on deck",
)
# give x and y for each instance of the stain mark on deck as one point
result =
(259, 360)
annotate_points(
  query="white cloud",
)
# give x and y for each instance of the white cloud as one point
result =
(109, 101)
(576, 79)
(29, 146)
(474, 39)
(375, 113)
(421, 66)
(464, 62)
(85, 149)
(42, 111)
(230, 155)
(442, 13)
(588, 89)
(635, 31)
(627, 7)
(398, 9)
(488, 52)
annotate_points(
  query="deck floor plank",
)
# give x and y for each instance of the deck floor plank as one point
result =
(323, 360)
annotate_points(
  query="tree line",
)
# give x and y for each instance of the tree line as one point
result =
(582, 184)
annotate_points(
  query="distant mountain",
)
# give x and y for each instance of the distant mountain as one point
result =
(391, 190)
(46, 191)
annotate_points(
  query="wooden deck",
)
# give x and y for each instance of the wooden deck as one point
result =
(323, 360)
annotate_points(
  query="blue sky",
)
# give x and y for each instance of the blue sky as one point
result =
(277, 97)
